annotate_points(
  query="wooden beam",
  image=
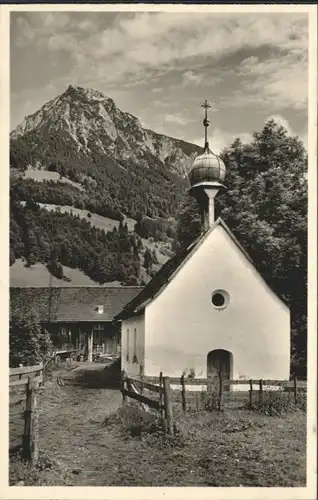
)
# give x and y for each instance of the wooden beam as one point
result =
(205, 381)
(146, 385)
(90, 342)
(17, 383)
(141, 398)
(25, 369)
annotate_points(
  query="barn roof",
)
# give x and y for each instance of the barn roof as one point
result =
(71, 304)
(169, 269)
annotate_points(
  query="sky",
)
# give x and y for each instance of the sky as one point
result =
(161, 66)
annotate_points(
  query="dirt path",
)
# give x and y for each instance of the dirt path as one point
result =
(71, 428)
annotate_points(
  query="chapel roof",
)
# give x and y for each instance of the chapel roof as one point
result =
(168, 271)
(72, 304)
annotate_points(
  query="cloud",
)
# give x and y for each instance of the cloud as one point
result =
(86, 25)
(151, 40)
(219, 139)
(177, 56)
(191, 78)
(280, 81)
(54, 20)
(176, 118)
(25, 33)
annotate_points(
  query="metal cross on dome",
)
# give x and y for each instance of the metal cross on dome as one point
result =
(206, 122)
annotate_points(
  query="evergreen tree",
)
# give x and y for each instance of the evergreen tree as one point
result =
(154, 257)
(188, 221)
(148, 260)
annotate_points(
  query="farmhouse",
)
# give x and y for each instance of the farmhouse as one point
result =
(79, 318)
(208, 310)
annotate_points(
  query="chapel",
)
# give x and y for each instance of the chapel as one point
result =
(208, 310)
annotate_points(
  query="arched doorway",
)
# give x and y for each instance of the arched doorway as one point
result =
(220, 362)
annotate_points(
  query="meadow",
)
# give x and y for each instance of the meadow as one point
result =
(88, 438)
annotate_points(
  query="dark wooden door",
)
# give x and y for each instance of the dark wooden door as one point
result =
(219, 364)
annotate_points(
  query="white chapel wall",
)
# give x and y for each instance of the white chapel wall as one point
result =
(128, 348)
(182, 325)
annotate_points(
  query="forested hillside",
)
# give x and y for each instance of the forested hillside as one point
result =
(61, 239)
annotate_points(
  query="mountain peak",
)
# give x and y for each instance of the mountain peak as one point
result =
(86, 93)
(88, 123)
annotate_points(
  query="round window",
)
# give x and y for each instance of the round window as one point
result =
(220, 299)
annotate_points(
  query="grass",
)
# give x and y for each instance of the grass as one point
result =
(38, 275)
(45, 175)
(89, 439)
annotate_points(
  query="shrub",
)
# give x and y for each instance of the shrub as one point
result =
(30, 343)
(134, 422)
(275, 403)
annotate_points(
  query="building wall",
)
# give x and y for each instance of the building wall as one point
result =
(128, 346)
(182, 325)
(105, 336)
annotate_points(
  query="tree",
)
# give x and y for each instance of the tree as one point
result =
(154, 257)
(148, 260)
(53, 166)
(188, 221)
(30, 343)
(55, 267)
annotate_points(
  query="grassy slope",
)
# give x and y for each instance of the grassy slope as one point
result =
(234, 448)
(42, 175)
(96, 220)
(38, 275)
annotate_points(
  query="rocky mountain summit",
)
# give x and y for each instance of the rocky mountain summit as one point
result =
(89, 124)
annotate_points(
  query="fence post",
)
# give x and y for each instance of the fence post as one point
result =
(260, 395)
(183, 394)
(34, 423)
(251, 392)
(168, 404)
(295, 389)
(220, 392)
(27, 421)
(123, 385)
(31, 423)
(141, 371)
(161, 396)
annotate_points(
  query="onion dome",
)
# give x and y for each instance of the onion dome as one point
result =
(207, 168)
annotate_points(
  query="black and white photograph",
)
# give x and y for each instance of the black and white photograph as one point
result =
(161, 182)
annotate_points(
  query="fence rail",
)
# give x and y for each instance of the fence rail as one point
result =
(206, 381)
(24, 370)
(220, 387)
(129, 389)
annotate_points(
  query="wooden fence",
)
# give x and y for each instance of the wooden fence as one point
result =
(130, 387)
(27, 379)
(24, 384)
(220, 388)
